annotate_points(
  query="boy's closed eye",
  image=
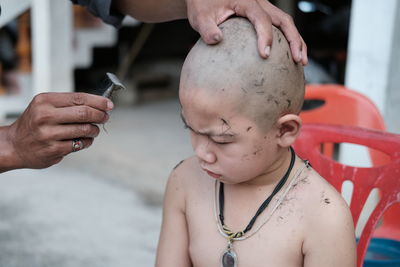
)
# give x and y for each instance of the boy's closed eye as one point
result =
(222, 139)
(219, 139)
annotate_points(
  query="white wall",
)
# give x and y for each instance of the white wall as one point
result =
(52, 46)
(373, 56)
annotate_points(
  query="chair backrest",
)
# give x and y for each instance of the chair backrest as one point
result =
(343, 107)
(384, 177)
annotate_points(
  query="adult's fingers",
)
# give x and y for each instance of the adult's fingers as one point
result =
(74, 99)
(69, 131)
(65, 147)
(208, 29)
(286, 24)
(87, 142)
(304, 58)
(204, 16)
(296, 43)
(261, 21)
(78, 114)
(53, 153)
(299, 50)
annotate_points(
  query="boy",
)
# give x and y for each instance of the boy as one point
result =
(245, 199)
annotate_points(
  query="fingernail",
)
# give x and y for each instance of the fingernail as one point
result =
(106, 118)
(89, 144)
(267, 50)
(217, 37)
(110, 105)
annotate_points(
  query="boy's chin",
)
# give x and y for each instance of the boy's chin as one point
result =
(232, 180)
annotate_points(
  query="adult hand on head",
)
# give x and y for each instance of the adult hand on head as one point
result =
(43, 134)
(205, 15)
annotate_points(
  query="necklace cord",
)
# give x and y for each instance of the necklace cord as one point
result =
(279, 201)
(263, 206)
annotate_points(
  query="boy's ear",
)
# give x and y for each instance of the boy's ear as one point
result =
(288, 129)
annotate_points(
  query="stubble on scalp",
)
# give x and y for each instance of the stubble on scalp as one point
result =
(263, 89)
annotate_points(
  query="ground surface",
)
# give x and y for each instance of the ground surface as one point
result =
(99, 207)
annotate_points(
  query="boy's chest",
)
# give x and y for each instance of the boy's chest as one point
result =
(278, 243)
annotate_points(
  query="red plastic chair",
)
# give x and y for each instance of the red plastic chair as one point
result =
(384, 177)
(343, 107)
(347, 107)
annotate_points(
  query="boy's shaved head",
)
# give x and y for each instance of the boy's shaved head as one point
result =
(264, 89)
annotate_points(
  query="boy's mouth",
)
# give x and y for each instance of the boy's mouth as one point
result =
(214, 175)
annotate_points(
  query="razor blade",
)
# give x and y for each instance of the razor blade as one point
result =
(111, 86)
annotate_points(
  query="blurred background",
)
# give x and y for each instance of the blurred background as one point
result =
(102, 206)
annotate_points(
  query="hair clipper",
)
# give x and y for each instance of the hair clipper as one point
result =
(110, 86)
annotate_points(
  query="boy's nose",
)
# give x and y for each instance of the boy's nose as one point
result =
(205, 154)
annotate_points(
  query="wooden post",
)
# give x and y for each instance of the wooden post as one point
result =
(24, 48)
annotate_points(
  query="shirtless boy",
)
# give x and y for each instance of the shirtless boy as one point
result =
(242, 114)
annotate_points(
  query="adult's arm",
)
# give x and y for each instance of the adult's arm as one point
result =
(43, 134)
(205, 15)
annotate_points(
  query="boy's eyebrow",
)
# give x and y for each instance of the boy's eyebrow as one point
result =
(211, 133)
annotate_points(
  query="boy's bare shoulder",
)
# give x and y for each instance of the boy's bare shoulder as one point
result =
(319, 198)
(185, 165)
(188, 173)
(325, 213)
(186, 168)
(326, 221)
(180, 181)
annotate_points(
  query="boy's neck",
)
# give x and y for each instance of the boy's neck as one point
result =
(275, 173)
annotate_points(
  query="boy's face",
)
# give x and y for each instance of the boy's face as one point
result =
(230, 146)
